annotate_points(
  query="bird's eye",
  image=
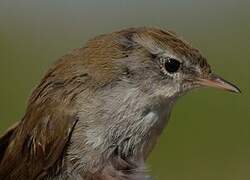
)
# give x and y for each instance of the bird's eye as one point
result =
(172, 65)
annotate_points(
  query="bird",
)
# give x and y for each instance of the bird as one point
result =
(99, 110)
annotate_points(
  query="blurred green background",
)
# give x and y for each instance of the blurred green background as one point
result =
(208, 136)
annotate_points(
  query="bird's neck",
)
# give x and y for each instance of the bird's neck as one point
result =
(125, 126)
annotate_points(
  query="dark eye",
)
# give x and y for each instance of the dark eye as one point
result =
(172, 65)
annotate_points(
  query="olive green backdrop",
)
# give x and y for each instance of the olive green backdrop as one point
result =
(208, 137)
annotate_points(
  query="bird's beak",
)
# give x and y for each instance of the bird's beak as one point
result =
(218, 82)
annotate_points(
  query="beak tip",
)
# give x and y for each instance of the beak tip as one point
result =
(236, 90)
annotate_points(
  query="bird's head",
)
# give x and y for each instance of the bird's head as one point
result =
(156, 60)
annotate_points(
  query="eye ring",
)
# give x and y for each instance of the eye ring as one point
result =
(172, 65)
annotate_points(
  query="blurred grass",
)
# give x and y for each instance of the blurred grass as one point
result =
(208, 136)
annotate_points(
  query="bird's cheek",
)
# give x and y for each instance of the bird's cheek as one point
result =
(188, 84)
